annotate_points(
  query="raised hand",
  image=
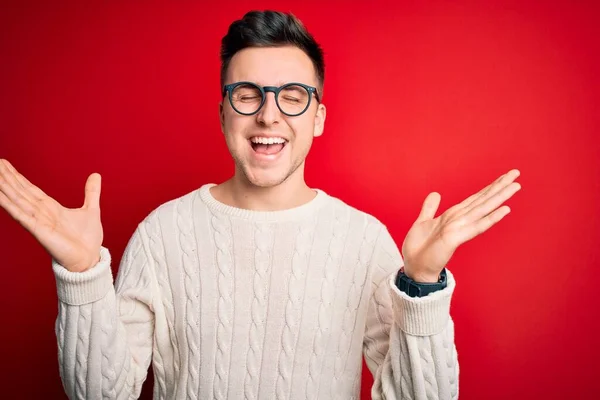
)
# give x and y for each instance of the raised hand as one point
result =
(71, 236)
(431, 241)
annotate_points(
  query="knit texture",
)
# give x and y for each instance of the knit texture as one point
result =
(228, 303)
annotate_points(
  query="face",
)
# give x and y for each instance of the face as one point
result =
(247, 136)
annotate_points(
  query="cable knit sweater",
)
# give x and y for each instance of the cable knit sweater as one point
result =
(236, 304)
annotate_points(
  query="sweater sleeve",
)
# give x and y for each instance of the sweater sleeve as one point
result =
(104, 331)
(409, 342)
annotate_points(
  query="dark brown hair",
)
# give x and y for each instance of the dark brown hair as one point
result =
(270, 29)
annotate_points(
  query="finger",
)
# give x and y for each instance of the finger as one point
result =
(496, 188)
(33, 190)
(466, 202)
(489, 190)
(36, 198)
(92, 191)
(492, 203)
(12, 176)
(485, 223)
(10, 188)
(40, 201)
(430, 206)
(26, 220)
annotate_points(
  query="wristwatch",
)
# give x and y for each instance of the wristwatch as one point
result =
(420, 289)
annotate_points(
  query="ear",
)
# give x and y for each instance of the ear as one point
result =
(320, 120)
(222, 117)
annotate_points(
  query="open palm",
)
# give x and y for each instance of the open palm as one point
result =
(71, 236)
(431, 242)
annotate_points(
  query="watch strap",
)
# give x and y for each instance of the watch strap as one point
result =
(420, 289)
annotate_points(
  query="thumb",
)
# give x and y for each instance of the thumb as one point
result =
(92, 191)
(430, 206)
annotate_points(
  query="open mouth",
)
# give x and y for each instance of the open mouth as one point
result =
(268, 146)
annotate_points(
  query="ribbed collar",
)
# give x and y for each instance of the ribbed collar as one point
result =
(297, 213)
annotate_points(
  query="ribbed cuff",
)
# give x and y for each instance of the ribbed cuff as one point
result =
(422, 316)
(77, 288)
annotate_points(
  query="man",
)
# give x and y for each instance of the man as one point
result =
(259, 287)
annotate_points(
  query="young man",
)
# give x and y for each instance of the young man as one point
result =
(260, 287)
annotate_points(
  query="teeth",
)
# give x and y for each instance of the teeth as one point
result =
(264, 140)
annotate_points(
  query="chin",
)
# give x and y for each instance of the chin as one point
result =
(265, 179)
(267, 176)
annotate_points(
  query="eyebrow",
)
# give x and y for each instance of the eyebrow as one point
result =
(276, 84)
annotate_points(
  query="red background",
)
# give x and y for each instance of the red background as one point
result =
(436, 96)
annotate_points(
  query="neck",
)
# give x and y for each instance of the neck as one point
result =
(238, 192)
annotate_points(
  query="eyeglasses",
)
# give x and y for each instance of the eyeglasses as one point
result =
(292, 99)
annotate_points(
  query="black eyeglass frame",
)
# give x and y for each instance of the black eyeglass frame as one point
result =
(228, 89)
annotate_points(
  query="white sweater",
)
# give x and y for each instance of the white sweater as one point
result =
(237, 304)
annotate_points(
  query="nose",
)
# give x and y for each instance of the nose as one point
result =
(269, 114)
